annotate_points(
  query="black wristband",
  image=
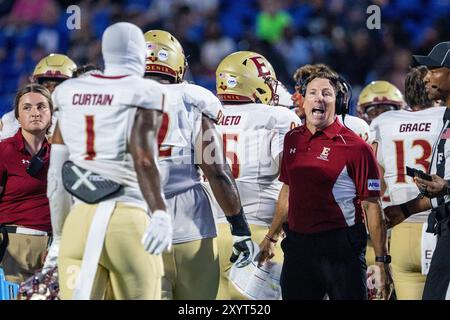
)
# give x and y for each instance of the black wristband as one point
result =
(238, 224)
(270, 239)
(383, 259)
(405, 210)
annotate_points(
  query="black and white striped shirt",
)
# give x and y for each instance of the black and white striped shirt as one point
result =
(440, 161)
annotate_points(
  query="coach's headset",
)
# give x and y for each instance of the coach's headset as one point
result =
(343, 95)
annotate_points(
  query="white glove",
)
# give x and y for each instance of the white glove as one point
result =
(158, 236)
(243, 250)
(51, 260)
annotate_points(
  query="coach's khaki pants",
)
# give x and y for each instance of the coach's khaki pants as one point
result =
(225, 244)
(125, 268)
(24, 256)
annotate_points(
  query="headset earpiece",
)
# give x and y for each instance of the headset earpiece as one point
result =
(340, 102)
(343, 97)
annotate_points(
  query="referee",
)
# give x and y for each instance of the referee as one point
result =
(435, 194)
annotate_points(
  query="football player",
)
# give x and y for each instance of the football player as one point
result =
(53, 69)
(253, 134)
(192, 267)
(50, 72)
(402, 139)
(107, 127)
(378, 97)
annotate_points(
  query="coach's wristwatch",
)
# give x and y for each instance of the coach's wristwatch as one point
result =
(384, 259)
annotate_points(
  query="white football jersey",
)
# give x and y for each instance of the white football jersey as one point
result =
(253, 136)
(358, 126)
(10, 125)
(404, 139)
(96, 115)
(182, 124)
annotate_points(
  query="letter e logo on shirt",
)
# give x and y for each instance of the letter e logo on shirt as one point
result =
(324, 154)
(373, 185)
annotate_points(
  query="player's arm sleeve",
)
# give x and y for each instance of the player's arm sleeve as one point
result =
(363, 169)
(59, 199)
(55, 100)
(375, 137)
(365, 131)
(374, 134)
(370, 136)
(55, 114)
(152, 96)
(286, 121)
(204, 101)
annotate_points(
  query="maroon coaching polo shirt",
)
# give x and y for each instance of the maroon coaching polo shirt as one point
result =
(328, 174)
(24, 199)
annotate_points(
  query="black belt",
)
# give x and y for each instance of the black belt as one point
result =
(10, 229)
(298, 235)
(13, 229)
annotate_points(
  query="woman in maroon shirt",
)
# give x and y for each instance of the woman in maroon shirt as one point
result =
(24, 209)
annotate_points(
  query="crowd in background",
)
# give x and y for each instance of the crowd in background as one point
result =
(289, 33)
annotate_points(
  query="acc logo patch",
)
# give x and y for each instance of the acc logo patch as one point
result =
(232, 82)
(163, 55)
(373, 185)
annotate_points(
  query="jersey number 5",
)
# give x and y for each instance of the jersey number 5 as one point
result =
(230, 155)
